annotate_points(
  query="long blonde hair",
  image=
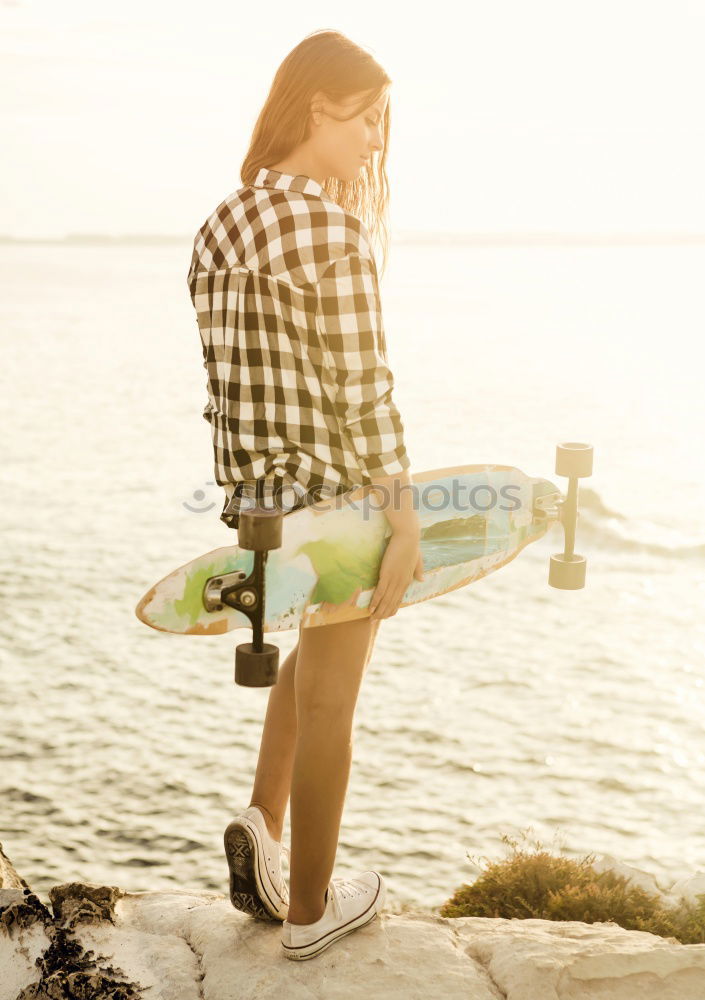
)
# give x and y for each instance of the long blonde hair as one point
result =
(330, 62)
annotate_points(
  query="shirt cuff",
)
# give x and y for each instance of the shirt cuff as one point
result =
(390, 464)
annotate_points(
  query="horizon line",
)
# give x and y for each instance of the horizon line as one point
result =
(529, 237)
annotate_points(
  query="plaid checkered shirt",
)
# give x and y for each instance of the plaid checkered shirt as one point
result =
(285, 288)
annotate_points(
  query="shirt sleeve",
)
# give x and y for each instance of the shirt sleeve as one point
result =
(192, 276)
(349, 323)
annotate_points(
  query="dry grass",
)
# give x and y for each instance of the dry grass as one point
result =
(539, 884)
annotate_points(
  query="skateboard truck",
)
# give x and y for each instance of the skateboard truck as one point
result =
(259, 530)
(567, 568)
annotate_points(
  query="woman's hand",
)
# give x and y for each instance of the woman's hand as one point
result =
(402, 562)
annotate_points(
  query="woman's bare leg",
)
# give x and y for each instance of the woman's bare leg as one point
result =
(329, 670)
(276, 753)
(272, 785)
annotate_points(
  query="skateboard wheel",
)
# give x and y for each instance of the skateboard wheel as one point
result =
(567, 572)
(573, 458)
(253, 669)
(260, 530)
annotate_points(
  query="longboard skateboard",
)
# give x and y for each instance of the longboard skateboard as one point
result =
(474, 519)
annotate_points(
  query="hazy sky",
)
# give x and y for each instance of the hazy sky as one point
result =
(507, 115)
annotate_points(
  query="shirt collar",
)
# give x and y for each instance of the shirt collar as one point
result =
(266, 177)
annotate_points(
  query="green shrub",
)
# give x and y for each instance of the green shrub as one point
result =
(538, 884)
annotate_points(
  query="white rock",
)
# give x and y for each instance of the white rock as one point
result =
(644, 880)
(169, 940)
(569, 960)
(686, 888)
(196, 946)
(689, 888)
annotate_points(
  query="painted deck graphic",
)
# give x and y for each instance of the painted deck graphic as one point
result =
(474, 519)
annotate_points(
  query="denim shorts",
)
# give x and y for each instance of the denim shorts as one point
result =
(287, 496)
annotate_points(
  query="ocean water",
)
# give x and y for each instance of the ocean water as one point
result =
(505, 707)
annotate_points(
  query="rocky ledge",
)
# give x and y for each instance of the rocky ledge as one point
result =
(102, 942)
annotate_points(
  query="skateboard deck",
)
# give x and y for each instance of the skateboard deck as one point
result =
(474, 519)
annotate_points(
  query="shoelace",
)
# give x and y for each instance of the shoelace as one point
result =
(347, 888)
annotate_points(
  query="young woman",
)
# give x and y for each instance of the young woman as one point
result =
(286, 292)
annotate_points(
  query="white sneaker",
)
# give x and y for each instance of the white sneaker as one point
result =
(350, 903)
(257, 885)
